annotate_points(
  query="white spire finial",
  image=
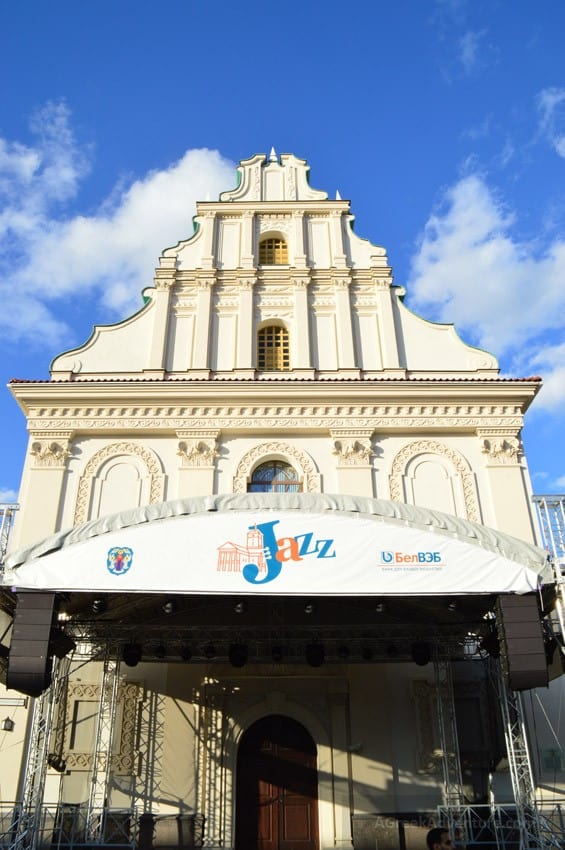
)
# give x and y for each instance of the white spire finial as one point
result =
(273, 156)
(337, 195)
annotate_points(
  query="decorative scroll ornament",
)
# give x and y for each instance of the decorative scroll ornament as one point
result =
(197, 452)
(49, 453)
(353, 451)
(501, 450)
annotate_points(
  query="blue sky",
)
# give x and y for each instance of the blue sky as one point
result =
(443, 121)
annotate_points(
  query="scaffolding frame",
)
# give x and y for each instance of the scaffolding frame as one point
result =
(103, 746)
(7, 516)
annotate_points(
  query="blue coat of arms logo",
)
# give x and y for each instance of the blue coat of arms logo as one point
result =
(119, 560)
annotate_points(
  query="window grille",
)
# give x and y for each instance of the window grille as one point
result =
(273, 349)
(274, 476)
(273, 252)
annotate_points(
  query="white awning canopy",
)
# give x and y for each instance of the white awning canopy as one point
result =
(281, 544)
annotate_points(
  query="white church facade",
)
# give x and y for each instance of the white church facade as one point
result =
(217, 683)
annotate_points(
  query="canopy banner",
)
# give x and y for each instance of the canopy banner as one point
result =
(275, 552)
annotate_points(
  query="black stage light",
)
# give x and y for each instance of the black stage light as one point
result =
(343, 652)
(99, 606)
(490, 644)
(277, 654)
(421, 653)
(238, 655)
(366, 653)
(315, 654)
(185, 653)
(61, 644)
(131, 654)
(161, 650)
(210, 651)
(170, 607)
(240, 607)
(309, 607)
(58, 763)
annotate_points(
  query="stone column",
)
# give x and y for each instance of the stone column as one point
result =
(507, 479)
(200, 354)
(354, 454)
(42, 486)
(345, 347)
(197, 452)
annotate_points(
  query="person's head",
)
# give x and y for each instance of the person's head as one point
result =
(439, 838)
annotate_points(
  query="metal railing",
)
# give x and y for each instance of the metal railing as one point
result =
(68, 825)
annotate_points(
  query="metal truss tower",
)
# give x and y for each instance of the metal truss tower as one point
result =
(7, 514)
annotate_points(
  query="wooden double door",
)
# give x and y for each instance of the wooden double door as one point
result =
(276, 787)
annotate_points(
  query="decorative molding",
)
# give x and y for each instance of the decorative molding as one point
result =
(501, 450)
(301, 461)
(172, 418)
(433, 447)
(352, 450)
(197, 451)
(50, 453)
(123, 760)
(157, 479)
(266, 223)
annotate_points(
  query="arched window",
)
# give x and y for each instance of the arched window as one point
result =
(274, 476)
(273, 349)
(273, 252)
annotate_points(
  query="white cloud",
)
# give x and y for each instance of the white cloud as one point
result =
(7, 496)
(48, 251)
(560, 482)
(551, 106)
(505, 295)
(469, 49)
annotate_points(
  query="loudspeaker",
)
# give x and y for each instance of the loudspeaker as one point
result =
(29, 663)
(522, 649)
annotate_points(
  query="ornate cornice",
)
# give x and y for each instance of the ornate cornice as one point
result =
(367, 417)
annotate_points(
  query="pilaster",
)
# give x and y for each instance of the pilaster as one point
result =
(502, 451)
(345, 346)
(338, 254)
(43, 485)
(209, 227)
(301, 342)
(247, 240)
(299, 255)
(354, 453)
(387, 327)
(197, 453)
(245, 331)
(341, 774)
(164, 281)
(200, 354)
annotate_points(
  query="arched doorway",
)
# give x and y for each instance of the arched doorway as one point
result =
(277, 787)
